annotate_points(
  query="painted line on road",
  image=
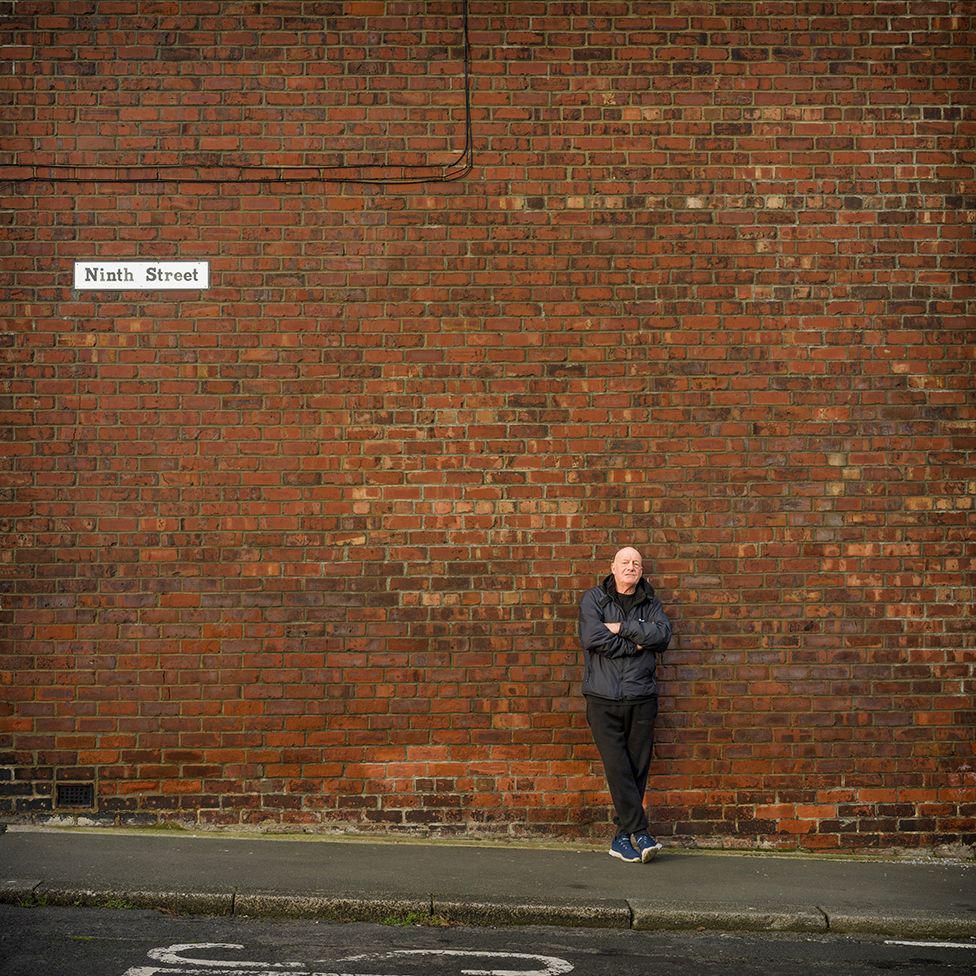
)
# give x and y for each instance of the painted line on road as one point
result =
(173, 956)
(552, 965)
(933, 945)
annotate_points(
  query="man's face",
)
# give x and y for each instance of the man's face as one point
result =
(627, 568)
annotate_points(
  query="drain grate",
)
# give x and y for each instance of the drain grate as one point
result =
(76, 795)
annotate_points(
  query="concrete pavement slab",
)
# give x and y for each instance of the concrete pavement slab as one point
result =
(649, 915)
(924, 924)
(118, 896)
(392, 910)
(17, 891)
(592, 914)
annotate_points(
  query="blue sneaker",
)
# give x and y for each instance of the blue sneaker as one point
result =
(622, 848)
(647, 846)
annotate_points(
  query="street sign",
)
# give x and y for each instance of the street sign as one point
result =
(141, 275)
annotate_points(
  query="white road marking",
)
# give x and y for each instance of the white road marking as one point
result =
(554, 966)
(934, 945)
(171, 956)
(209, 971)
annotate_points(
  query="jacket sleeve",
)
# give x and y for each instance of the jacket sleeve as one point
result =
(653, 632)
(594, 635)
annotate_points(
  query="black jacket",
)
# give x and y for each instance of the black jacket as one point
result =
(614, 666)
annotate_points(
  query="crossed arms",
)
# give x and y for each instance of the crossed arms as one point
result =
(652, 633)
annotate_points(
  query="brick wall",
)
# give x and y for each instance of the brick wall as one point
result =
(306, 547)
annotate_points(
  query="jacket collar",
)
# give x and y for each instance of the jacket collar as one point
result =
(644, 589)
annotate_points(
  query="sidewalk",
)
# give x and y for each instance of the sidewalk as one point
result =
(403, 880)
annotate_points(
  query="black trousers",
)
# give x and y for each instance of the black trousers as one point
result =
(624, 734)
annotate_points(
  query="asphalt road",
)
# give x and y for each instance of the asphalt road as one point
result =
(106, 942)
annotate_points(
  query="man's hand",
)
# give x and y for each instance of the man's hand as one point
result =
(615, 629)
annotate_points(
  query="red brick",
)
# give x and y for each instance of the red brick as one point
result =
(306, 547)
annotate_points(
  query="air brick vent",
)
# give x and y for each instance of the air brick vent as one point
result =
(76, 795)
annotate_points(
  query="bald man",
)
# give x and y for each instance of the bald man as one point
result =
(623, 628)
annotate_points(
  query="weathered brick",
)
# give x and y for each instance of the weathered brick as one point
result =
(306, 547)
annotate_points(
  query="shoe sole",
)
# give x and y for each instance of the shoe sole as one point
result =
(649, 853)
(626, 860)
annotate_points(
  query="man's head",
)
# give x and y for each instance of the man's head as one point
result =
(627, 568)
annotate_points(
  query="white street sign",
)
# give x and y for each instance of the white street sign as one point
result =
(141, 275)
